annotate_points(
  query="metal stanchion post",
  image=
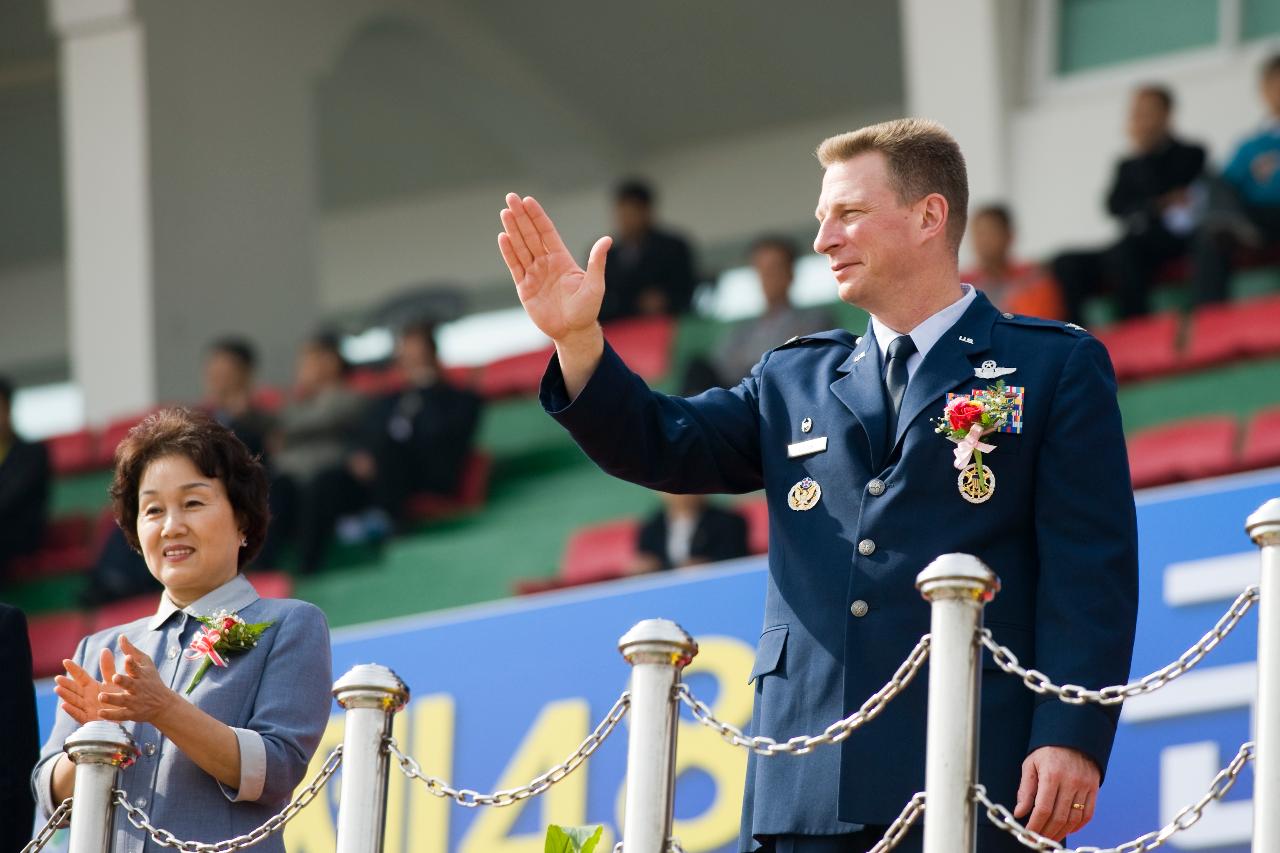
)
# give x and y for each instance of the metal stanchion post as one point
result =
(957, 586)
(371, 695)
(1263, 526)
(98, 750)
(657, 649)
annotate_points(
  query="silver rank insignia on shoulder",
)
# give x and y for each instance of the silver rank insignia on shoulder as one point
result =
(1076, 327)
(804, 495)
(989, 370)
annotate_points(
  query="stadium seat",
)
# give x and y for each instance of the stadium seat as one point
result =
(644, 343)
(1230, 330)
(73, 453)
(756, 512)
(269, 398)
(67, 548)
(1262, 440)
(597, 553)
(271, 584)
(373, 382)
(473, 491)
(1186, 450)
(54, 636)
(113, 433)
(1143, 347)
(516, 375)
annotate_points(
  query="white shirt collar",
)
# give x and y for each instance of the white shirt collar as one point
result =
(233, 595)
(927, 333)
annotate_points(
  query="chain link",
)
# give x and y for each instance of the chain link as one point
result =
(35, 845)
(1074, 694)
(893, 835)
(834, 733)
(1184, 819)
(471, 799)
(165, 838)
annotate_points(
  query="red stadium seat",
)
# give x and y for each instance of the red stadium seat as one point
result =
(271, 584)
(54, 636)
(644, 343)
(598, 553)
(516, 375)
(756, 512)
(1143, 347)
(113, 433)
(124, 611)
(1187, 450)
(73, 453)
(473, 491)
(269, 398)
(1262, 440)
(67, 548)
(1231, 330)
(375, 383)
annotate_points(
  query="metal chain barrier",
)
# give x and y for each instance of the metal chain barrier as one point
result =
(471, 799)
(893, 835)
(834, 733)
(35, 845)
(1184, 819)
(165, 838)
(1073, 694)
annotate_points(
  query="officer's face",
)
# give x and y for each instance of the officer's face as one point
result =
(865, 230)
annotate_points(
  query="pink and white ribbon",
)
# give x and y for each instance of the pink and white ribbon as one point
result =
(967, 445)
(203, 646)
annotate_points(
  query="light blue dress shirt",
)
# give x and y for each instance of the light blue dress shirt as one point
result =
(926, 334)
(275, 697)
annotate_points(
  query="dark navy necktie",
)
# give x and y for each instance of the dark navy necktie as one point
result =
(901, 348)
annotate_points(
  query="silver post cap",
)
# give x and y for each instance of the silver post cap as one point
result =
(958, 576)
(657, 640)
(101, 742)
(371, 685)
(1263, 526)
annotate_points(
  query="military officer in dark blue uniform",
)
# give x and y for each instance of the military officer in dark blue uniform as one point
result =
(864, 492)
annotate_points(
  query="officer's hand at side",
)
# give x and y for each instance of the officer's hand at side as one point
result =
(561, 298)
(1053, 778)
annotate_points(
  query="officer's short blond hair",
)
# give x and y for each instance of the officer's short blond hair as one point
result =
(922, 157)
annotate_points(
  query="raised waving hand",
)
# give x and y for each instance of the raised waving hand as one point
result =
(561, 298)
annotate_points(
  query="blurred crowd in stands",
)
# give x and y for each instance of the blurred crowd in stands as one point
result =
(348, 464)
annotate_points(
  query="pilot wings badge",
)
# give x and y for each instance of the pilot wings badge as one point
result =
(989, 370)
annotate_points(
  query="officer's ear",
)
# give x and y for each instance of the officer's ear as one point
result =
(932, 213)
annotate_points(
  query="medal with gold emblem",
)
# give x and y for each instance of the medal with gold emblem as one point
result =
(804, 495)
(966, 420)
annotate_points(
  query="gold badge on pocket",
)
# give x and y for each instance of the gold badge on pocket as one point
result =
(804, 495)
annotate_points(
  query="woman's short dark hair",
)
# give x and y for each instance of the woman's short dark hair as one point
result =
(213, 449)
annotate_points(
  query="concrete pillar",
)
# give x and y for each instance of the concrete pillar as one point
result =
(957, 60)
(108, 208)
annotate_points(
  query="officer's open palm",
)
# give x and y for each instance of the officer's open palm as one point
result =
(559, 295)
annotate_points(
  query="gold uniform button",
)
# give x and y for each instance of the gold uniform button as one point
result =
(859, 608)
(866, 547)
(876, 487)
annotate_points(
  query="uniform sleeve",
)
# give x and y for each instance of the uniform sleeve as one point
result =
(290, 710)
(1086, 530)
(63, 727)
(703, 444)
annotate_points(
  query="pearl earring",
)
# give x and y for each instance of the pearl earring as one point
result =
(244, 541)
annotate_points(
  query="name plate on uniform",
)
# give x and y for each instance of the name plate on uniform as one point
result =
(805, 448)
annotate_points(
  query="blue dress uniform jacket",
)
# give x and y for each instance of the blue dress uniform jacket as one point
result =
(275, 697)
(841, 608)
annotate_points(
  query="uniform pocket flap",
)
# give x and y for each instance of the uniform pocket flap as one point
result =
(769, 652)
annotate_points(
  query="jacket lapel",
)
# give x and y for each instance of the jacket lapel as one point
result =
(861, 389)
(948, 363)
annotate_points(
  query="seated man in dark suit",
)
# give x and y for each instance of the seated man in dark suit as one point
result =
(228, 385)
(688, 531)
(650, 271)
(21, 739)
(24, 487)
(418, 439)
(1150, 196)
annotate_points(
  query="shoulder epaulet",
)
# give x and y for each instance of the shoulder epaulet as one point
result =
(835, 336)
(1042, 323)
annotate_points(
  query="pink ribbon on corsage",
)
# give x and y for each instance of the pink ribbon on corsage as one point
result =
(967, 445)
(203, 645)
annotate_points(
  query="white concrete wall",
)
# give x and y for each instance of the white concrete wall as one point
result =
(723, 190)
(1066, 137)
(33, 322)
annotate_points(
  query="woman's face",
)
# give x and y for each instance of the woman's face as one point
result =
(187, 529)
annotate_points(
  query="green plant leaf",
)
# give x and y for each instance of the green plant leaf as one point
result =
(572, 839)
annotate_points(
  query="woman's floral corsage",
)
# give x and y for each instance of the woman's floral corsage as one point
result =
(223, 634)
(966, 419)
